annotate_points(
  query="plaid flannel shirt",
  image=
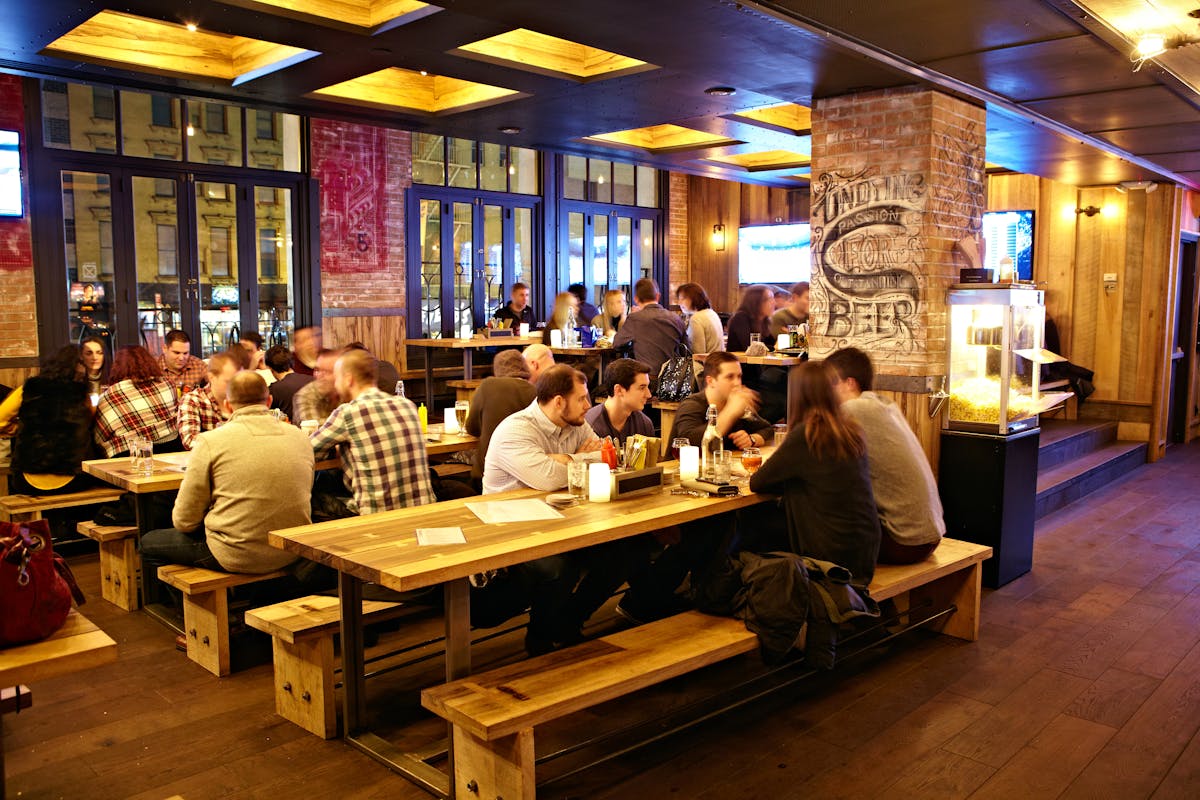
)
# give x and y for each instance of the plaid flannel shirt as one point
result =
(199, 411)
(193, 374)
(128, 409)
(383, 452)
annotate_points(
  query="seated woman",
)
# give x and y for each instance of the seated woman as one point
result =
(613, 314)
(54, 429)
(139, 403)
(565, 305)
(703, 324)
(95, 363)
(754, 317)
(821, 473)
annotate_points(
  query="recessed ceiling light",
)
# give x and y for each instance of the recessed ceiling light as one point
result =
(510, 130)
(720, 91)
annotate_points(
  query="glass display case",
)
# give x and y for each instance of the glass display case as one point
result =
(995, 354)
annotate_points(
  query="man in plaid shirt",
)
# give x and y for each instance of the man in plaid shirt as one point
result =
(203, 409)
(379, 440)
(180, 368)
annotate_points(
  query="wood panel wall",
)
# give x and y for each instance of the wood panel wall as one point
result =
(13, 377)
(382, 335)
(915, 408)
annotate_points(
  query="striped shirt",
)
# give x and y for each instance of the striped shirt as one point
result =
(127, 409)
(379, 439)
(199, 411)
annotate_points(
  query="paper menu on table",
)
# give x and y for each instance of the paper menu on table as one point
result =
(432, 536)
(497, 511)
(175, 461)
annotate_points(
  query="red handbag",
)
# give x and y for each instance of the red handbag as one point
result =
(36, 586)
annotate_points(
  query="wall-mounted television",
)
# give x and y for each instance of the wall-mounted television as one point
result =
(225, 296)
(1009, 233)
(777, 254)
(11, 198)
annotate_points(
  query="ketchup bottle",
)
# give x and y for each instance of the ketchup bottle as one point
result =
(608, 454)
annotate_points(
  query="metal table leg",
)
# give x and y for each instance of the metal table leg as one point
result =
(154, 601)
(429, 379)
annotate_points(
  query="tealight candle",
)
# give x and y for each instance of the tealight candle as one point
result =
(524, 330)
(451, 421)
(689, 463)
(599, 483)
(556, 339)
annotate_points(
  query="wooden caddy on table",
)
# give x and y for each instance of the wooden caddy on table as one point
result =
(494, 713)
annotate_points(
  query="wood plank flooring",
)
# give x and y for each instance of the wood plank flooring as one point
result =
(1085, 683)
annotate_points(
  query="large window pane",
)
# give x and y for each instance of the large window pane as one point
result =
(151, 126)
(156, 256)
(575, 178)
(79, 117)
(216, 233)
(430, 222)
(623, 191)
(429, 159)
(600, 180)
(647, 187)
(273, 221)
(87, 243)
(646, 237)
(460, 163)
(599, 254)
(214, 133)
(522, 244)
(523, 170)
(624, 245)
(493, 253)
(464, 237)
(575, 246)
(493, 167)
(273, 141)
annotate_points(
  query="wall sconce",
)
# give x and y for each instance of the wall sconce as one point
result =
(1091, 211)
(718, 237)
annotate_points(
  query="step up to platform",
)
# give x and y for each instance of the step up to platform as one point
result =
(1076, 458)
(1064, 440)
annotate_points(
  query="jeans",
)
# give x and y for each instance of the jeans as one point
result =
(548, 583)
(172, 546)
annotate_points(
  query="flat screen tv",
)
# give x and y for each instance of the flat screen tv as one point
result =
(225, 296)
(776, 254)
(1009, 233)
(11, 199)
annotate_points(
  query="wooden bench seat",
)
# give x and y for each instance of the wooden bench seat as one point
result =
(120, 564)
(77, 645)
(21, 507)
(302, 633)
(494, 713)
(206, 610)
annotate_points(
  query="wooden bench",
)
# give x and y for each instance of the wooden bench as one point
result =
(206, 610)
(302, 633)
(23, 507)
(449, 469)
(120, 564)
(464, 390)
(667, 410)
(494, 713)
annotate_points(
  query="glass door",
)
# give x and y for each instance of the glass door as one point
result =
(87, 240)
(608, 249)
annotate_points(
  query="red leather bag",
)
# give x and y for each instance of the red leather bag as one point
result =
(36, 586)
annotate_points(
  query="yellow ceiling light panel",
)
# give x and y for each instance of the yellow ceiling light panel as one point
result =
(165, 48)
(396, 88)
(765, 160)
(548, 55)
(663, 138)
(788, 116)
(374, 16)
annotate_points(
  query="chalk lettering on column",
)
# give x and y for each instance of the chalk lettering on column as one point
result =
(955, 200)
(866, 252)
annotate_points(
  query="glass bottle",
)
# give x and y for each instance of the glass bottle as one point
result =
(399, 388)
(711, 445)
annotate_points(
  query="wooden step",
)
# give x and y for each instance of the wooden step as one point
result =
(1064, 440)
(1070, 481)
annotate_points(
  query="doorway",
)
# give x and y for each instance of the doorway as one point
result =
(1180, 412)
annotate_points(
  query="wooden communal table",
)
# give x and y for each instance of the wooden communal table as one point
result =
(382, 548)
(467, 347)
(77, 645)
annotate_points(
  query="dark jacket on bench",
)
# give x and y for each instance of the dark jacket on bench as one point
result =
(55, 432)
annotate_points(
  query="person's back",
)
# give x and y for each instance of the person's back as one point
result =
(494, 400)
(283, 391)
(654, 331)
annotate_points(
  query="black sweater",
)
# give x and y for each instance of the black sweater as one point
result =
(55, 432)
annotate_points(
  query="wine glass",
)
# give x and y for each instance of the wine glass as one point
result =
(751, 460)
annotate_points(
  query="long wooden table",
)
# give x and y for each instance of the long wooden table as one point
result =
(382, 548)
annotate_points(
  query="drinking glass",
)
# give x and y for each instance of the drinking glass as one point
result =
(278, 414)
(461, 409)
(676, 444)
(751, 460)
(141, 456)
(755, 337)
(722, 466)
(780, 435)
(577, 479)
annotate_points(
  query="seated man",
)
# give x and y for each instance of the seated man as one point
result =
(203, 409)
(587, 311)
(723, 388)
(508, 391)
(287, 382)
(179, 367)
(389, 376)
(620, 415)
(308, 349)
(654, 331)
(539, 358)
(795, 312)
(250, 476)
(317, 399)
(517, 310)
(906, 493)
(532, 448)
(379, 439)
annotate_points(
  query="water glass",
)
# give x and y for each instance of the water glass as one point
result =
(755, 337)
(780, 435)
(722, 465)
(141, 456)
(577, 479)
(461, 409)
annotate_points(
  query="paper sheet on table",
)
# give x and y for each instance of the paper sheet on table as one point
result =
(513, 511)
(176, 462)
(429, 536)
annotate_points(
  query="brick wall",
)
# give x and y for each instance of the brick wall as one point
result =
(898, 179)
(363, 172)
(678, 269)
(18, 310)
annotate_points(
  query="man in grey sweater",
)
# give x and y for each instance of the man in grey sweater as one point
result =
(906, 495)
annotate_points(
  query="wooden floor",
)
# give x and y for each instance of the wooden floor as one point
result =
(1085, 684)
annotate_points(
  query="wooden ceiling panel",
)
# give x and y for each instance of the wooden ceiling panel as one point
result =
(1125, 108)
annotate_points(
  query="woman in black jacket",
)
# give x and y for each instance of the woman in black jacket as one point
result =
(54, 432)
(821, 472)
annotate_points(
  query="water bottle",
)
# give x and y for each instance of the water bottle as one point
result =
(399, 388)
(710, 446)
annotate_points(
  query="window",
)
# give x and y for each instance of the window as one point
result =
(602, 181)
(265, 196)
(216, 191)
(218, 247)
(214, 118)
(106, 247)
(104, 103)
(264, 125)
(468, 164)
(164, 187)
(268, 256)
(162, 111)
(167, 252)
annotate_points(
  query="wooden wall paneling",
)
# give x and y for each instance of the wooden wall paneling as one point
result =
(754, 204)
(1190, 346)
(778, 209)
(12, 377)
(1012, 192)
(1160, 268)
(1163, 249)
(1136, 278)
(1054, 234)
(710, 202)
(799, 208)
(1100, 248)
(384, 336)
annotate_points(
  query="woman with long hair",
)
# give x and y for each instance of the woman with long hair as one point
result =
(95, 363)
(613, 314)
(54, 429)
(139, 403)
(704, 326)
(564, 304)
(752, 316)
(821, 473)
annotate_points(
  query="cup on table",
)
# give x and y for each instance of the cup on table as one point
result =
(577, 479)
(751, 460)
(461, 409)
(722, 465)
(755, 337)
(309, 426)
(141, 455)
(781, 433)
(278, 414)
(677, 444)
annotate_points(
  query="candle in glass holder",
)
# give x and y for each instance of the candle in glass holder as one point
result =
(689, 463)
(599, 483)
(451, 421)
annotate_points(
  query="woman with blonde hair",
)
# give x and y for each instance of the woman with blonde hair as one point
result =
(612, 315)
(821, 473)
(565, 304)
(704, 326)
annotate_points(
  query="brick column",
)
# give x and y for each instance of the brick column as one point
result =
(18, 310)
(898, 179)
